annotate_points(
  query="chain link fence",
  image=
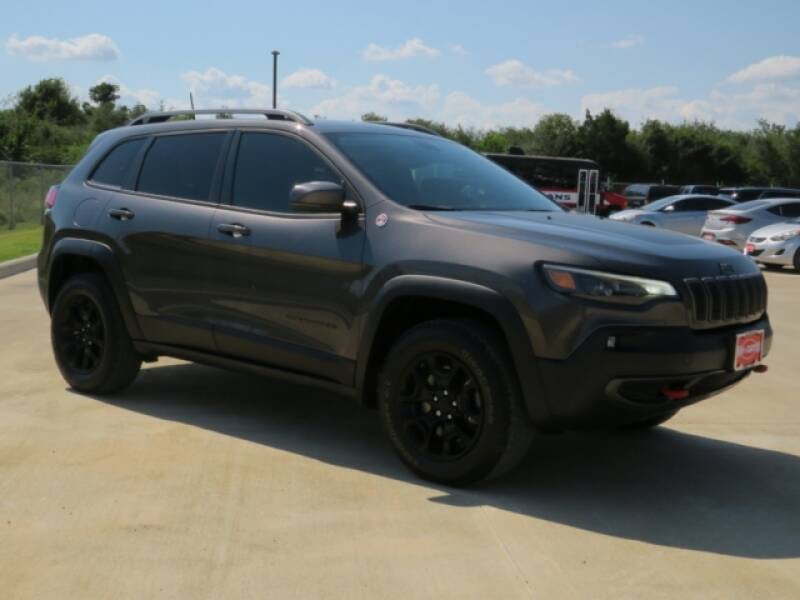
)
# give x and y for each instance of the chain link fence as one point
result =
(23, 187)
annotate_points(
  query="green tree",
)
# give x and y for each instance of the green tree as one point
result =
(373, 117)
(50, 100)
(554, 135)
(104, 93)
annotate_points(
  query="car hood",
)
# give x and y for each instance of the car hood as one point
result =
(615, 246)
(775, 229)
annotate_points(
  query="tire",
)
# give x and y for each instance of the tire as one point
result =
(91, 345)
(796, 260)
(471, 424)
(771, 267)
(649, 423)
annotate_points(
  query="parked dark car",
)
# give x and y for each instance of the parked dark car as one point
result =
(746, 194)
(639, 194)
(393, 266)
(708, 190)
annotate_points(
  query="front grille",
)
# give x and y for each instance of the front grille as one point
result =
(727, 299)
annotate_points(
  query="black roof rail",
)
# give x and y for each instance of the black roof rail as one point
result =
(411, 126)
(273, 114)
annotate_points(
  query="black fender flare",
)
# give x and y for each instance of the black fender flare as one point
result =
(103, 255)
(493, 303)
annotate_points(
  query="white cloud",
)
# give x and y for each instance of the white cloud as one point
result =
(515, 72)
(774, 68)
(308, 79)
(630, 41)
(461, 109)
(458, 50)
(775, 102)
(148, 97)
(94, 46)
(636, 104)
(383, 95)
(412, 48)
(215, 88)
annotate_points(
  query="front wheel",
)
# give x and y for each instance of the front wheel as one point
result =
(91, 344)
(451, 404)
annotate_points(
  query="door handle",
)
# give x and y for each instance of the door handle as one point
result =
(233, 229)
(121, 214)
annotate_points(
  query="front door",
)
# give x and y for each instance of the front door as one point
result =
(286, 287)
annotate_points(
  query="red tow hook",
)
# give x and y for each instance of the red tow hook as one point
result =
(675, 394)
(760, 369)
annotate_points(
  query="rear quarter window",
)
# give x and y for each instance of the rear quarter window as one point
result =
(114, 168)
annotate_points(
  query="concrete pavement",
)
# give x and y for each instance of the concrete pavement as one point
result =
(197, 483)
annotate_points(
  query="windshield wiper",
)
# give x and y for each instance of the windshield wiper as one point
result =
(430, 207)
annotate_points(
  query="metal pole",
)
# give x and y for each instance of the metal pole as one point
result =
(275, 54)
(12, 209)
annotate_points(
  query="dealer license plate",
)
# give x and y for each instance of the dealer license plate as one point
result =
(749, 350)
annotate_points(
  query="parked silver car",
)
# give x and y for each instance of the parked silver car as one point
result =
(776, 245)
(732, 226)
(684, 213)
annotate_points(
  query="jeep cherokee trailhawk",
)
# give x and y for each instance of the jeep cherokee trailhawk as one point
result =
(390, 264)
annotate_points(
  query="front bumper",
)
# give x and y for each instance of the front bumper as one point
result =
(601, 386)
(774, 253)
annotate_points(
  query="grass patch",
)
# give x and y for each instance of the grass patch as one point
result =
(24, 240)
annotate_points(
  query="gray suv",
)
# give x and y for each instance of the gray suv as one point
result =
(393, 266)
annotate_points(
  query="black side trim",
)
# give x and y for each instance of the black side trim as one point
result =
(149, 349)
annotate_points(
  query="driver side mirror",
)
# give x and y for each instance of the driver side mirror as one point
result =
(668, 209)
(320, 197)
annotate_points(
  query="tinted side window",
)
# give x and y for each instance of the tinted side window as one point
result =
(791, 210)
(181, 165)
(268, 166)
(703, 204)
(114, 167)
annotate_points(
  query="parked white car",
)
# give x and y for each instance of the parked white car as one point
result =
(776, 245)
(732, 226)
(684, 213)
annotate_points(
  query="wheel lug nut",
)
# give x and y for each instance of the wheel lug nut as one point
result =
(455, 403)
(450, 417)
(445, 392)
(438, 413)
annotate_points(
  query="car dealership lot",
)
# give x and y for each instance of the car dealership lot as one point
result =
(198, 483)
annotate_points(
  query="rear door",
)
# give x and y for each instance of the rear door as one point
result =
(160, 222)
(285, 286)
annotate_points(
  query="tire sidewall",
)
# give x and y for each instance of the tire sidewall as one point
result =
(493, 439)
(87, 287)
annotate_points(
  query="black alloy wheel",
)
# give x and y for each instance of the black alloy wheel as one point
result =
(80, 335)
(440, 408)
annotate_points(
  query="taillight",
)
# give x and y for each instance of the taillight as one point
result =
(736, 219)
(51, 197)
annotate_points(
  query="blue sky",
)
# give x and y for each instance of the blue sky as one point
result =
(480, 64)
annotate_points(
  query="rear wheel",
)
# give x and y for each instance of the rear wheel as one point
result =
(796, 261)
(91, 344)
(451, 404)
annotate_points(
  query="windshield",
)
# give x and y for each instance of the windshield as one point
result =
(431, 173)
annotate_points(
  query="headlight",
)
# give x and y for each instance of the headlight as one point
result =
(606, 287)
(782, 237)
